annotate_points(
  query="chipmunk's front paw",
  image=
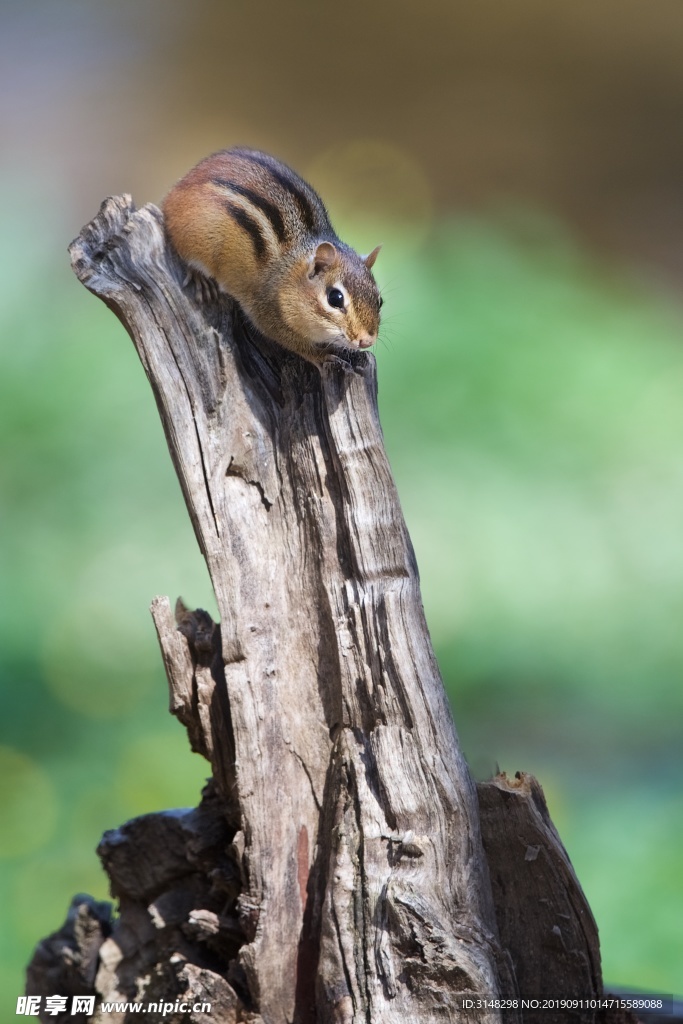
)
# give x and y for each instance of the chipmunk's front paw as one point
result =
(206, 289)
(339, 359)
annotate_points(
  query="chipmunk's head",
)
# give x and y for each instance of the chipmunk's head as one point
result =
(340, 300)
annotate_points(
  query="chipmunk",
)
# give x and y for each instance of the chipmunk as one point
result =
(253, 225)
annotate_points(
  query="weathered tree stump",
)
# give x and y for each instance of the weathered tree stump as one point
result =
(334, 871)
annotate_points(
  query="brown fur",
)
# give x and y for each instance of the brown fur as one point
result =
(248, 221)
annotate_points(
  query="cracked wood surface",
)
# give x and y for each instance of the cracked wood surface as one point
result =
(365, 891)
(545, 922)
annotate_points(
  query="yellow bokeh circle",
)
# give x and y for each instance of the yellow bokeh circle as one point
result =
(370, 186)
(100, 657)
(28, 804)
(157, 771)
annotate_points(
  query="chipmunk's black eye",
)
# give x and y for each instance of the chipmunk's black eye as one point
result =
(381, 302)
(335, 298)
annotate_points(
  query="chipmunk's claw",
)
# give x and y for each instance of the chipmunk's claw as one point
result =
(338, 360)
(206, 289)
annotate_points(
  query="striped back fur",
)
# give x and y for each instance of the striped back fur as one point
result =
(276, 208)
(252, 224)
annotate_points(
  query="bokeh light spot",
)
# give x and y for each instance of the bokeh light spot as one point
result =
(100, 657)
(28, 804)
(157, 771)
(371, 187)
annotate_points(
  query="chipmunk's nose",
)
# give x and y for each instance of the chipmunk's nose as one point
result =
(367, 341)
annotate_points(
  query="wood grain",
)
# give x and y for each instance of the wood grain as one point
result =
(365, 890)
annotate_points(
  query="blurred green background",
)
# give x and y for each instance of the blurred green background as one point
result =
(523, 166)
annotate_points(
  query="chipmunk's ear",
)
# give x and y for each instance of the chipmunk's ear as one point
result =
(324, 258)
(369, 260)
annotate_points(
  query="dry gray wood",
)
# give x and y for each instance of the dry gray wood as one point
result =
(175, 876)
(365, 894)
(545, 921)
(333, 870)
